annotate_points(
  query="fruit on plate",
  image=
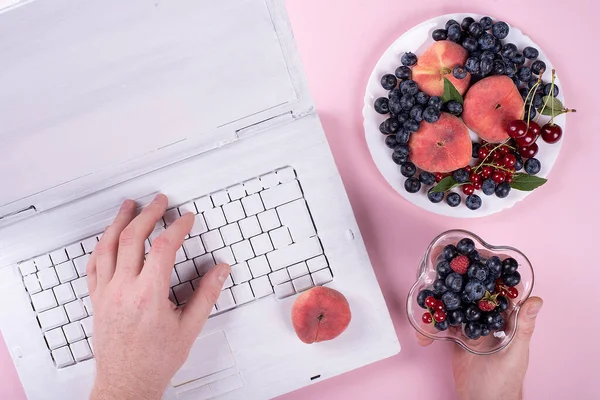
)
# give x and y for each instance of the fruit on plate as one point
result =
(320, 314)
(443, 146)
(489, 105)
(438, 62)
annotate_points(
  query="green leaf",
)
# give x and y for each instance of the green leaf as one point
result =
(552, 106)
(450, 92)
(445, 184)
(526, 182)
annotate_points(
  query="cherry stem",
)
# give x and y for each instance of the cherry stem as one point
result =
(499, 167)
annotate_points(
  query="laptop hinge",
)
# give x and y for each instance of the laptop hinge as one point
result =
(17, 215)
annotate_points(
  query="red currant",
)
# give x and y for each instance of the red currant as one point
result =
(468, 168)
(526, 140)
(529, 151)
(439, 305)
(534, 127)
(509, 160)
(477, 185)
(439, 316)
(503, 150)
(475, 177)
(430, 302)
(427, 318)
(497, 156)
(509, 178)
(516, 128)
(486, 172)
(512, 293)
(439, 176)
(468, 189)
(498, 176)
(483, 153)
(551, 133)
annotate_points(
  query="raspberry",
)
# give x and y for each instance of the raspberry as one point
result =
(460, 264)
(486, 305)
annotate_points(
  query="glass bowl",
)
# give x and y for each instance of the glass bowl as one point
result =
(427, 274)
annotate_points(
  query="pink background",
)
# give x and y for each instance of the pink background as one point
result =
(340, 41)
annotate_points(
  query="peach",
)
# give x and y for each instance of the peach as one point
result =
(443, 146)
(437, 63)
(320, 314)
(489, 105)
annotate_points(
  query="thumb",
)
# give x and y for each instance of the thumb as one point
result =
(198, 308)
(526, 319)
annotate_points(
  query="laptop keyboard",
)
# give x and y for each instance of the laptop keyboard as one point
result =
(262, 228)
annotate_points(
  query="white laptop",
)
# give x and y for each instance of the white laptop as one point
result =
(206, 102)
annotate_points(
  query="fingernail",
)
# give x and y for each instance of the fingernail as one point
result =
(533, 311)
(158, 198)
(223, 273)
(127, 204)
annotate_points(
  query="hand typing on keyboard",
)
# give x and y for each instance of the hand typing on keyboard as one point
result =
(140, 338)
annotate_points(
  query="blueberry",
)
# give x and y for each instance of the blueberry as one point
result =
(488, 187)
(460, 175)
(472, 65)
(510, 69)
(485, 330)
(403, 72)
(531, 52)
(498, 67)
(409, 87)
(422, 98)
(407, 102)
(497, 46)
(538, 101)
(416, 113)
(449, 252)
(454, 33)
(509, 50)
(475, 150)
(454, 282)
(487, 54)
(495, 321)
(524, 92)
(466, 22)
(473, 330)
(442, 326)
(443, 269)
(473, 313)
(392, 125)
(531, 113)
(453, 199)
(533, 166)
(518, 59)
(475, 290)
(401, 151)
(451, 22)
(451, 300)
(394, 93)
(398, 158)
(519, 163)
(473, 202)
(454, 107)
(486, 41)
(411, 125)
(490, 284)
(486, 65)
(524, 74)
(512, 279)
(389, 81)
(439, 287)
(427, 178)
(395, 105)
(478, 271)
(391, 141)
(547, 89)
(439, 34)
(403, 136)
(500, 29)
(435, 102)
(538, 66)
(470, 44)
(408, 59)
(475, 29)
(455, 317)
(465, 246)
(382, 105)
(474, 256)
(486, 23)
(403, 117)
(412, 185)
(408, 169)
(383, 128)
(459, 72)
(466, 298)
(422, 296)
(494, 265)
(476, 54)
(509, 266)
(502, 303)
(503, 190)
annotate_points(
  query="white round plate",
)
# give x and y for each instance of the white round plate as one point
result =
(417, 40)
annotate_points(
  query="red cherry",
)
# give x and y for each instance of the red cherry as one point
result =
(512, 293)
(427, 318)
(468, 189)
(486, 172)
(498, 176)
(475, 177)
(477, 185)
(551, 133)
(534, 127)
(529, 151)
(439, 305)
(439, 316)
(526, 140)
(430, 302)
(516, 128)
(509, 178)
(509, 160)
(483, 153)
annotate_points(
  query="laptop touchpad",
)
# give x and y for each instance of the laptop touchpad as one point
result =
(209, 355)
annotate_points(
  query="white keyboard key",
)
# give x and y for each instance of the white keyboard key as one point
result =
(186, 271)
(81, 264)
(75, 310)
(183, 292)
(298, 270)
(269, 220)
(87, 303)
(147, 246)
(284, 290)
(42, 262)
(187, 207)
(295, 253)
(91, 344)
(280, 237)
(225, 301)
(236, 192)
(27, 267)
(322, 277)
(281, 194)
(242, 293)
(48, 278)
(53, 318)
(212, 241)
(43, 301)
(64, 293)
(250, 227)
(228, 282)
(317, 263)
(59, 256)
(203, 204)
(81, 351)
(261, 244)
(204, 263)
(261, 286)
(180, 256)
(172, 297)
(55, 338)
(80, 287)
(156, 233)
(231, 234)
(234, 211)
(224, 255)
(89, 244)
(171, 216)
(88, 326)
(279, 277)
(286, 174)
(296, 217)
(253, 205)
(219, 198)
(193, 247)
(196, 283)
(302, 283)
(74, 250)
(32, 284)
(74, 332)
(62, 357)
(199, 226)
(253, 186)
(215, 218)
(269, 180)
(240, 273)
(66, 271)
(242, 251)
(174, 278)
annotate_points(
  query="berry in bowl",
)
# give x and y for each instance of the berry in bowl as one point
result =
(469, 292)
